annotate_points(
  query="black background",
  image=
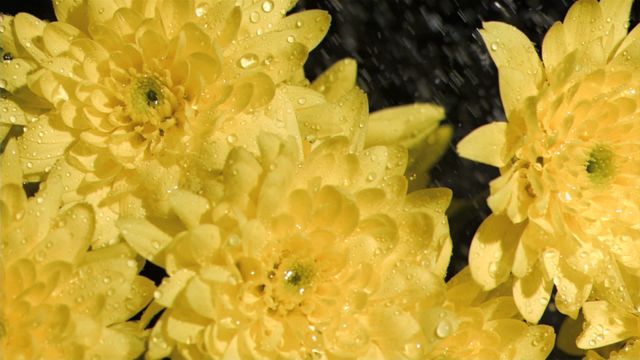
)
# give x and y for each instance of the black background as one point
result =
(423, 50)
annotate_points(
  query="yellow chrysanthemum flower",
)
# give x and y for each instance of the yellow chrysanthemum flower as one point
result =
(566, 206)
(474, 324)
(279, 257)
(59, 300)
(130, 83)
(129, 80)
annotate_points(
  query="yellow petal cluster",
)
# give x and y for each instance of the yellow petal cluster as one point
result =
(280, 257)
(566, 205)
(18, 104)
(58, 299)
(123, 84)
(128, 80)
(474, 324)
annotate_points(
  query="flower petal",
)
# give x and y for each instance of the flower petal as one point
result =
(188, 206)
(485, 144)
(336, 81)
(531, 294)
(406, 125)
(147, 239)
(606, 324)
(492, 250)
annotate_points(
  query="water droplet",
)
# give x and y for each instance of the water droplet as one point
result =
(248, 61)
(494, 46)
(233, 240)
(232, 138)
(443, 329)
(254, 17)
(291, 39)
(202, 9)
(157, 294)
(267, 6)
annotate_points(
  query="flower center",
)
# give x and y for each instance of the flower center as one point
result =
(152, 98)
(298, 275)
(150, 102)
(599, 165)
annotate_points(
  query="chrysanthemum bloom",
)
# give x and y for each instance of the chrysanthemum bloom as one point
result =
(130, 82)
(566, 205)
(59, 300)
(283, 258)
(483, 325)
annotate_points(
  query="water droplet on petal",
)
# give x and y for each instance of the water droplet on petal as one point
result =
(267, 6)
(248, 61)
(443, 329)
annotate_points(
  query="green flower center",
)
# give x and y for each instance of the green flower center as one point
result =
(298, 276)
(152, 98)
(146, 94)
(600, 166)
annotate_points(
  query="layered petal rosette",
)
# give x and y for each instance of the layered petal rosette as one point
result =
(279, 257)
(566, 205)
(60, 300)
(128, 80)
(129, 83)
(484, 325)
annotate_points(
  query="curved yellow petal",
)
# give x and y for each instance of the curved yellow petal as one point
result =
(172, 286)
(554, 47)
(307, 27)
(616, 15)
(583, 24)
(492, 250)
(511, 49)
(606, 324)
(573, 289)
(531, 294)
(406, 125)
(146, 238)
(72, 12)
(188, 206)
(337, 80)
(536, 342)
(515, 87)
(485, 144)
